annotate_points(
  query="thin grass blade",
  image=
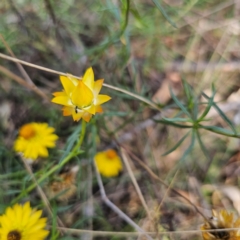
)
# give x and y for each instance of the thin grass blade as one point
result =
(161, 9)
(190, 148)
(179, 104)
(177, 145)
(221, 131)
(210, 104)
(172, 123)
(221, 113)
(202, 146)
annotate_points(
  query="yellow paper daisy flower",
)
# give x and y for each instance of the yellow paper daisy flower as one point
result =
(108, 163)
(21, 222)
(81, 98)
(221, 220)
(34, 139)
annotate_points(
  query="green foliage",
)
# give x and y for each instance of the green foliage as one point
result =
(193, 121)
(134, 46)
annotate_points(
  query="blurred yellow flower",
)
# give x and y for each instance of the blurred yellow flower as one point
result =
(221, 220)
(34, 139)
(21, 222)
(81, 98)
(108, 163)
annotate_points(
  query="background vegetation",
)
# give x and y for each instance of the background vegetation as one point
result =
(187, 137)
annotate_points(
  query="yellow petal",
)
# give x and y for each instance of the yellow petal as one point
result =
(63, 100)
(99, 109)
(90, 109)
(87, 116)
(88, 78)
(42, 151)
(67, 84)
(33, 219)
(77, 116)
(73, 79)
(100, 99)
(82, 96)
(67, 111)
(97, 87)
(56, 94)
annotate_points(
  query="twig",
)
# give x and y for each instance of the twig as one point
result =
(132, 234)
(168, 189)
(32, 65)
(23, 82)
(51, 11)
(53, 16)
(154, 176)
(126, 161)
(220, 49)
(18, 14)
(150, 103)
(220, 7)
(40, 191)
(20, 67)
(203, 66)
(114, 207)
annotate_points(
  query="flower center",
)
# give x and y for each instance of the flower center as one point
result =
(111, 153)
(14, 235)
(27, 131)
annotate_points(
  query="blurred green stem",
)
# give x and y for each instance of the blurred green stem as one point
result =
(109, 41)
(72, 154)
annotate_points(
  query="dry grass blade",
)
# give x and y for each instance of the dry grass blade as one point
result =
(115, 208)
(132, 234)
(154, 176)
(126, 161)
(142, 99)
(24, 83)
(20, 67)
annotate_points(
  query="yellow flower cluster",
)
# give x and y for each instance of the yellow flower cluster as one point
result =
(21, 222)
(221, 220)
(34, 139)
(108, 163)
(81, 98)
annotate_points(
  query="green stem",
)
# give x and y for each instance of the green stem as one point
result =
(80, 141)
(72, 154)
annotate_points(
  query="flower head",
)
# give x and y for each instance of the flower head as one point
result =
(108, 163)
(81, 98)
(34, 139)
(21, 222)
(221, 220)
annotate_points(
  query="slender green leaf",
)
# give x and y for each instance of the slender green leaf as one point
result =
(139, 19)
(71, 141)
(220, 130)
(192, 100)
(54, 231)
(161, 9)
(178, 119)
(210, 104)
(177, 145)
(189, 149)
(195, 108)
(179, 104)
(187, 89)
(172, 123)
(221, 113)
(202, 146)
